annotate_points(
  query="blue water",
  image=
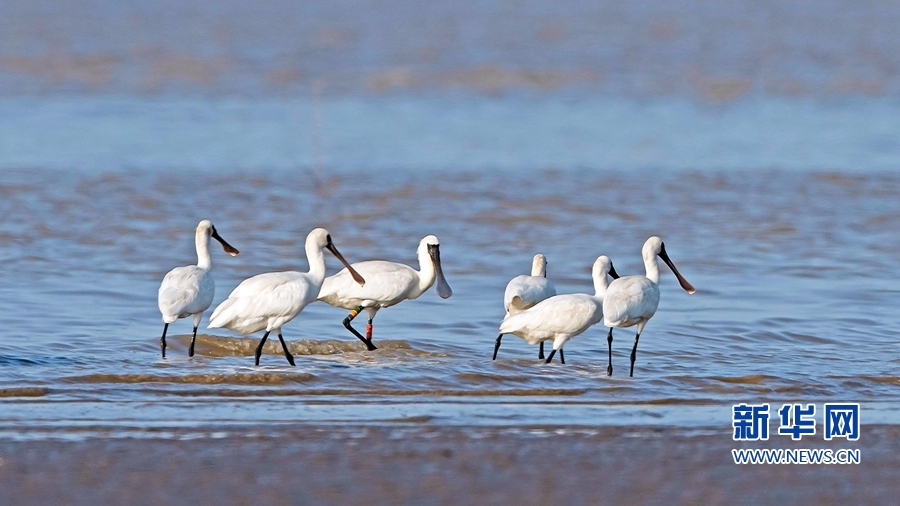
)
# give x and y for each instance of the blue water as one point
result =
(759, 140)
(519, 132)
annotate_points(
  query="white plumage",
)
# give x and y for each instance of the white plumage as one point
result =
(561, 317)
(387, 284)
(268, 301)
(632, 300)
(523, 291)
(189, 290)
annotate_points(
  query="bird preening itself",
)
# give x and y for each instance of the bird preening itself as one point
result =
(189, 290)
(561, 317)
(387, 284)
(523, 292)
(270, 300)
(632, 300)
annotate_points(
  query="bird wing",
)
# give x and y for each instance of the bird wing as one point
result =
(523, 292)
(387, 283)
(629, 299)
(569, 314)
(253, 302)
(185, 290)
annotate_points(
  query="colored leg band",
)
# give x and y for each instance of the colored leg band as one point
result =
(355, 312)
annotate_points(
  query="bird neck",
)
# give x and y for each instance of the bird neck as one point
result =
(201, 241)
(601, 283)
(316, 258)
(538, 269)
(426, 271)
(652, 267)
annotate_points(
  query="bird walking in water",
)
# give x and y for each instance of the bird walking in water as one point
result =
(632, 300)
(387, 284)
(561, 317)
(189, 290)
(523, 292)
(270, 300)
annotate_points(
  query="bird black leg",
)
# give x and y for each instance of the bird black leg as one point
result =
(609, 342)
(193, 338)
(259, 348)
(562, 358)
(550, 357)
(162, 341)
(541, 351)
(634, 353)
(287, 353)
(496, 346)
(349, 319)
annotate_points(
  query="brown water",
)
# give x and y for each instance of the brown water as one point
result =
(433, 465)
(714, 52)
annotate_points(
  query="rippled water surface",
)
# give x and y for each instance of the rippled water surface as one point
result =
(794, 274)
(758, 139)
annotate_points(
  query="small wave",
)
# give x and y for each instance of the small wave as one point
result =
(516, 392)
(881, 379)
(24, 392)
(215, 346)
(371, 395)
(753, 379)
(675, 401)
(8, 360)
(478, 377)
(260, 378)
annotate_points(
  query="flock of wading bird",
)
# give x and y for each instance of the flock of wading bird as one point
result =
(534, 311)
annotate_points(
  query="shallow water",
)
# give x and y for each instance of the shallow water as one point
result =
(793, 303)
(519, 131)
(758, 139)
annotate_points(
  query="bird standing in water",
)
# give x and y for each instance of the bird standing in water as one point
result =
(561, 317)
(268, 301)
(189, 290)
(632, 300)
(387, 284)
(523, 292)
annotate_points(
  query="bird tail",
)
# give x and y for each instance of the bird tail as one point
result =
(168, 300)
(218, 319)
(228, 315)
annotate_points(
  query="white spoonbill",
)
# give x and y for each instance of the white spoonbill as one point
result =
(632, 300)
(524, 291)
(388, 283)
(268, 301)
(189, 290)
(561, 317)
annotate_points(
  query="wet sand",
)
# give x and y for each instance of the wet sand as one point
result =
(438, 465)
